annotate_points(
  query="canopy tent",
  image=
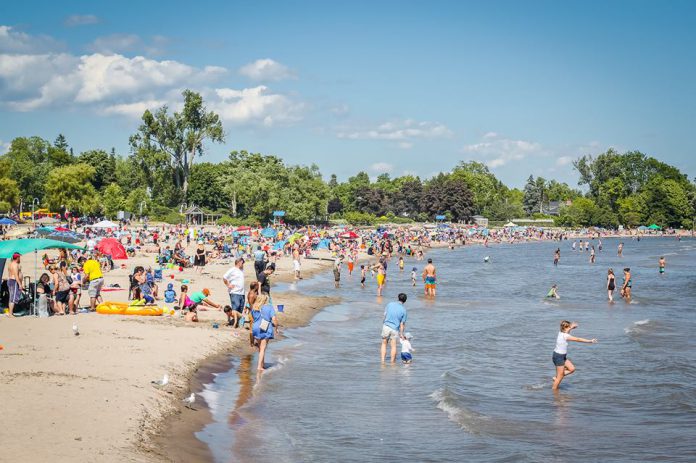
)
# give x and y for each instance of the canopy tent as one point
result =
(243, 229)
(269, 232)
(6, 221)
(642, 228)
(113, 248)
(45, 230)
(510, 224)
(104, 224)
(654, 227)
(62, 229)
(27, 245)
(324, 244)
(279, 245)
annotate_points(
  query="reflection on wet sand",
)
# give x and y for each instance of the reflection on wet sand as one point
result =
(246, 389)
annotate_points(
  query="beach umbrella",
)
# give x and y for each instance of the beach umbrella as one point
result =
(113, 248)
(62, 229)
(45, 220)
(6, 221)
(279, 245)
(45, 230)
(349, 235)
(64, 236)
(654, 227)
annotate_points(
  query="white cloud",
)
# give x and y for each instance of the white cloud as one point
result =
(4, 147)
(36, 81)
(122, 43)
(256, 105)
(13, 41)
(340, 110)
(382, 167)
(497, 151)
(133, 110)
(564, 161)
(80, 20)
(266, 70)
(399, 131)
(405, 145)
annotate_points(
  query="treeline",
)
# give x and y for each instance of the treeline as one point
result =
(163, 171)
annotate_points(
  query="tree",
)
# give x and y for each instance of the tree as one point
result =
(179, 136)
(70, 187)
(112, 200)
(104, 167)
(485, 187)
(532, 196)
(9, 194)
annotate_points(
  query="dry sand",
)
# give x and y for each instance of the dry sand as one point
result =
(68, 398)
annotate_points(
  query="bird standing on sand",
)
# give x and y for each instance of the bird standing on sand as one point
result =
(162, 382)
(188, 401)
(75, 329)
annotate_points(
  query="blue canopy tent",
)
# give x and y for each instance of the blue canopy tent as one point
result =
(324, 244)
(6, 221)
(279, 245)
(269, 232)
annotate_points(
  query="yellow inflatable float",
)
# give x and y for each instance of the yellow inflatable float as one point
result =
(124, 308)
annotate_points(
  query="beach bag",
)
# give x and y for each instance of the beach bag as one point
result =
(263, 326)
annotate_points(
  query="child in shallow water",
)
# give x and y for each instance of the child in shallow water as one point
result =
(406, 348)
(553, 294)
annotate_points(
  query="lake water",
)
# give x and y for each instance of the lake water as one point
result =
(479, 389)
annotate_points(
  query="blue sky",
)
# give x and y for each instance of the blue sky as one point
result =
(397, 87)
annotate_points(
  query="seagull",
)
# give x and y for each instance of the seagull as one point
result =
(162, 382)
(75, 330)
(188, 401)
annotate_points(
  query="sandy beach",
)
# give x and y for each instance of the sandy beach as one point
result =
(90, 397)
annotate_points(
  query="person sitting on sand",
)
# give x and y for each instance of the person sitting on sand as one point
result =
(200, 298)
(185, 301)
(553, 293)
(170, 294)
(191, 315)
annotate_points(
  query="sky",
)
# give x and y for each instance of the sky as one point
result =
(398, 87)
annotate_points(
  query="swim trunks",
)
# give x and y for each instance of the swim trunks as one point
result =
(430, 282)
(380, 279)
(13, 289)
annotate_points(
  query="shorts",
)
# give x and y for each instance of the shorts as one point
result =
(388, 332)
(337, 275)
(62, 296)
(95, 287)
(296, 265)
(380, 279)
(430, 281)
(15, 293)
(406, 357)
(559, 359)
(237, 302)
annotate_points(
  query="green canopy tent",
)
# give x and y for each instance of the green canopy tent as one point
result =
(27, 245)
(654, 227)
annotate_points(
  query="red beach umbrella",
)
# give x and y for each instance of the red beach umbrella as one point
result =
(112, 247)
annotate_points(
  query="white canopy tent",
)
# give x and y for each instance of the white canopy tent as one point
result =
(104, 224)
(510, 224)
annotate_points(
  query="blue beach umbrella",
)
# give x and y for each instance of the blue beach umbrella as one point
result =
(269, 232)
(6, 221)
(66, 237)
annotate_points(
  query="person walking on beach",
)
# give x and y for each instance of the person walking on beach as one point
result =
(14, 283)
(263, 329)
(564, 366)
(297, 266)
(259, 261)
(611, 284)
(662, 264)
(94, 276)
(234, 280)
(393, 326)
(199, 259)
(627, 285)
(430, 278)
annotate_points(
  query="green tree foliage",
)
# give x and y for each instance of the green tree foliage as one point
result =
(486, 189)
(104, 167)
(177, 139)
(9, 194)
(70, 187)
(637, 188)
(112, 200)
(448, 195)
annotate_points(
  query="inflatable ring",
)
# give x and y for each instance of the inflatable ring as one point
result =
(123, 308)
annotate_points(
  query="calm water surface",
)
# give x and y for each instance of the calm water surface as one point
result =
(479, 387)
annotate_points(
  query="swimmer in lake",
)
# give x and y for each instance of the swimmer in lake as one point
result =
(627, 285)
(553, 293)
(662, 264)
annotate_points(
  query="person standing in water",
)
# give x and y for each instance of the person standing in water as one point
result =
(430, 278)
(564, 366)
(620, 250)
(611, 284)
(393, 326)
(662, 264)
(556, 257)
(627, 284)
(592, 255)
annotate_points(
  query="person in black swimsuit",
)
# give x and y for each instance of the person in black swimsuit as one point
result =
(611, 285)
(199, 259)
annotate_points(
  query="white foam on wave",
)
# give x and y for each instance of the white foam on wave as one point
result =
(636, 326)
(462, 417)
